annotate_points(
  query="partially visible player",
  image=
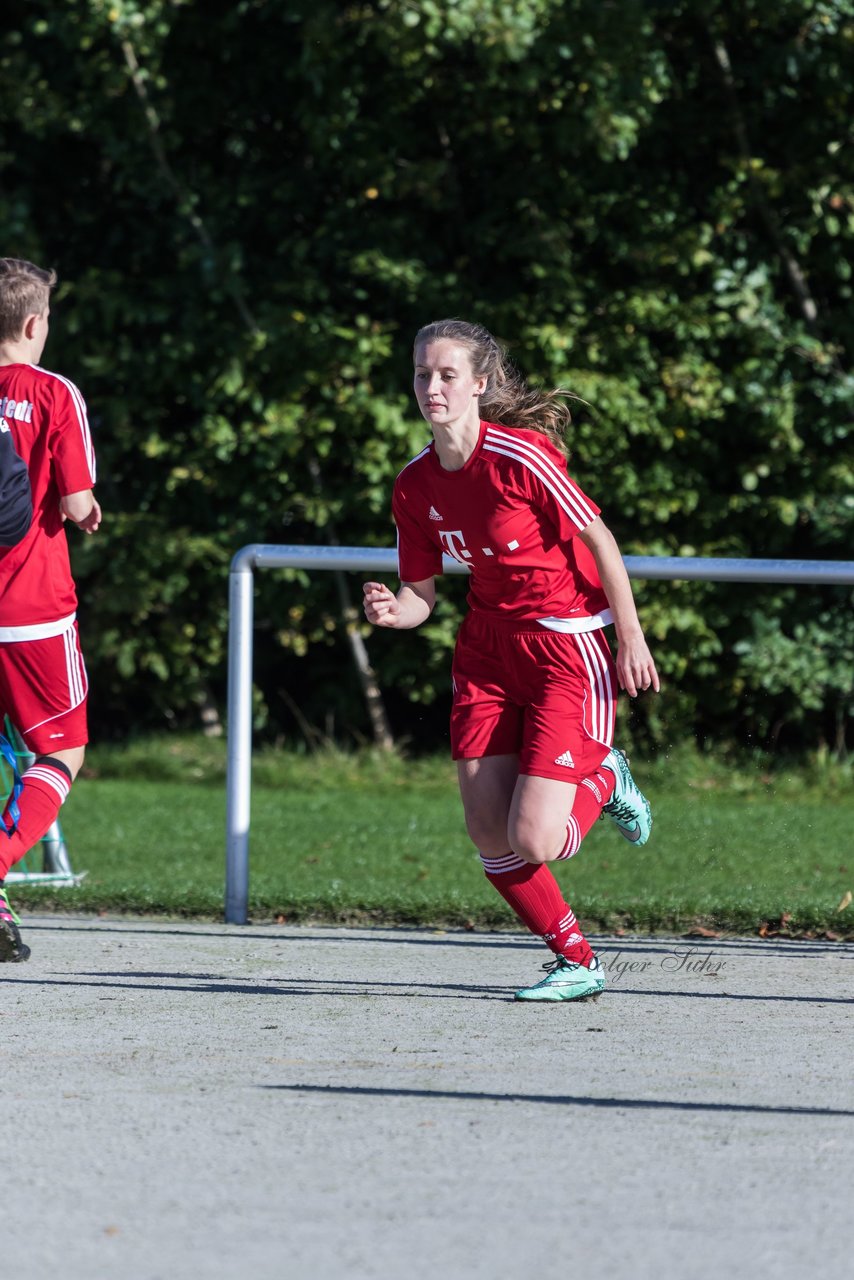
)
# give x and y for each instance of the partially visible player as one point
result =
(43, 682)
(534, 682)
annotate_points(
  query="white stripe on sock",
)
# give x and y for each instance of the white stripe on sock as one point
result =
(53, 777)
(573, 839)
(500, 866)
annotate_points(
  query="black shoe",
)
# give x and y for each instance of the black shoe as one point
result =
(12, 949)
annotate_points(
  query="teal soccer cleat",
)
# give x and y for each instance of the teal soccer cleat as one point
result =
(565, 980)
(628, 806)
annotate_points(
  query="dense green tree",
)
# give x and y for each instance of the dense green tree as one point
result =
(253, 205)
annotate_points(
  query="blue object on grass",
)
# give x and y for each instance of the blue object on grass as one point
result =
(12, 807)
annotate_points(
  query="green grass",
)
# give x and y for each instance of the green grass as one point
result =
(354, 838)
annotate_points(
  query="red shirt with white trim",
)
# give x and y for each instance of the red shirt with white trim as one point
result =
(511, 514)
(46, 415)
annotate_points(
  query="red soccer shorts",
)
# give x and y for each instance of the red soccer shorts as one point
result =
(43, 688)
(548, 696)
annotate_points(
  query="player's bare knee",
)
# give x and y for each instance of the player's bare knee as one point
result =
(487, 835)
(536, 857)
(535, 845)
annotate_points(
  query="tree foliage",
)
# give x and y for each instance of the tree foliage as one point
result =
(252, 206)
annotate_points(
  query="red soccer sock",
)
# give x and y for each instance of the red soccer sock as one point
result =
(590, 795)
(46, 785)
(536, 897)
(565, 938)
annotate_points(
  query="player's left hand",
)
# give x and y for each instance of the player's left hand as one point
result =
(635, 668)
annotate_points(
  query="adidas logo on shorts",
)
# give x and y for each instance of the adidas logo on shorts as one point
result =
(566, 760)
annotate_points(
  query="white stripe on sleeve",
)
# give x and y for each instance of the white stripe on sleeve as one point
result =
(82, 417)
(569, 497)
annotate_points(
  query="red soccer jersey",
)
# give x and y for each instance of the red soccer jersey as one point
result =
(47, 417)
(511, 515)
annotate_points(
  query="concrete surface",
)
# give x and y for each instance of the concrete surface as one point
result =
(191, 1101)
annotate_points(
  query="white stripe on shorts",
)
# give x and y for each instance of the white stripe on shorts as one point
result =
(601, 689)
(36, 631)
(75, 675)
(73, 664)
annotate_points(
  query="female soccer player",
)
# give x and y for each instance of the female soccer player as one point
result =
(534, 682)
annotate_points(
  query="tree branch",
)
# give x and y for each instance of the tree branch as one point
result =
(183, 197)
(797, 277)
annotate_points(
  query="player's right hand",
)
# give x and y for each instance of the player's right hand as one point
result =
(381, 606)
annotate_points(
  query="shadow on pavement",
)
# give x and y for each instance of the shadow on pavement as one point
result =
(211, 984)
(559, 1100)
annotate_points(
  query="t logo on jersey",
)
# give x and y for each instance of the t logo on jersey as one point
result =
(450, 540)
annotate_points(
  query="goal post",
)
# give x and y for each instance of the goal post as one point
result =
(379, 560)
(239, 713)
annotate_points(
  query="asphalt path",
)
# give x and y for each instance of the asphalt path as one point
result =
(195, 1101)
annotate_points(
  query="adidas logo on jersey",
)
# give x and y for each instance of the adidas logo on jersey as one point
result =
(434, 514)
(566, 760)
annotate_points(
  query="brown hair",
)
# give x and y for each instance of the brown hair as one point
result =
(507, 398)
(24, 291)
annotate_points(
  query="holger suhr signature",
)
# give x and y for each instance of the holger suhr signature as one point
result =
(688, 960)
